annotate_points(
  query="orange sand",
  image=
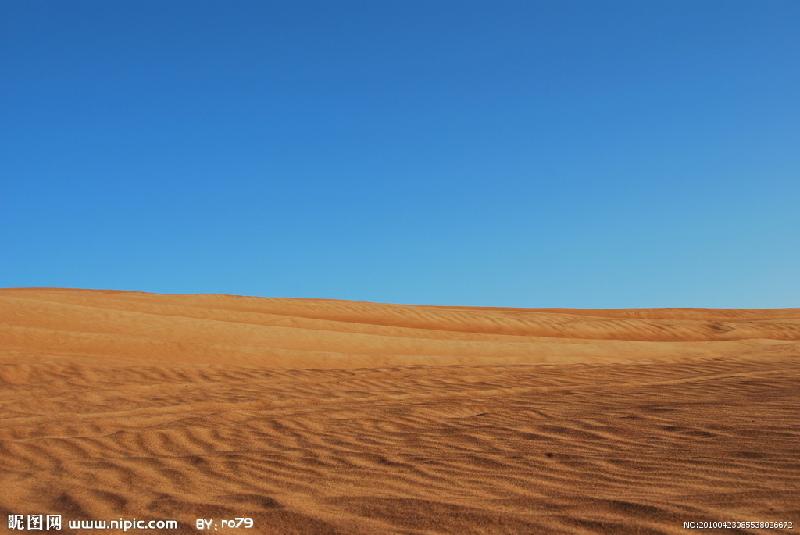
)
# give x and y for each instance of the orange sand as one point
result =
(320, 416)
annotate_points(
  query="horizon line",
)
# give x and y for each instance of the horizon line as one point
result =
(387, 303)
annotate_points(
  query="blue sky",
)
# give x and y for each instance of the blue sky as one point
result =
(561, 153)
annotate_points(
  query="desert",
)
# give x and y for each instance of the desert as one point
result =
(346, 267)
(326, 416)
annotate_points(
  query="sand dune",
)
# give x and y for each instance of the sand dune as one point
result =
(322, 416)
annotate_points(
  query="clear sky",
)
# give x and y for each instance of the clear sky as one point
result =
(560, 153)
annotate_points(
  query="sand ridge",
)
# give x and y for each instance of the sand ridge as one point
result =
(324, 416)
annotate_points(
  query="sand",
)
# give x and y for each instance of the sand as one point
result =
(322, 416)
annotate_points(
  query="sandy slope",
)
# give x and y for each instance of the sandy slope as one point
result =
(316, 416)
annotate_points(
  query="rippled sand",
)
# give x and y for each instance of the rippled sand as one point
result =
(318, 416)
